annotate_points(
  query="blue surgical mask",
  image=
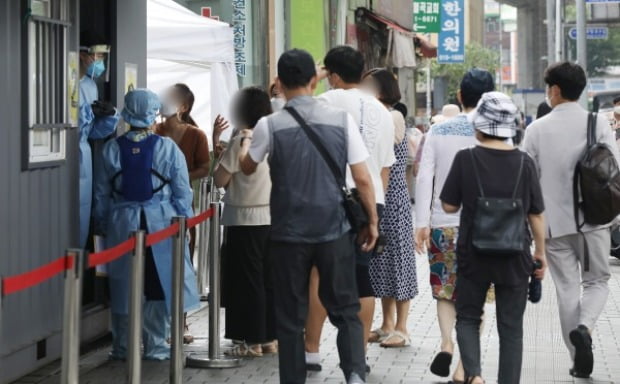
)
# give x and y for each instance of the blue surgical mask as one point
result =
(95, 69)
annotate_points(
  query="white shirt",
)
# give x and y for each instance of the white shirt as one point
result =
(442, 143)
(377, 128)
(356, 150)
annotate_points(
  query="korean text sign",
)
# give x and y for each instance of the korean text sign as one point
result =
(452, 32)
(240, 23)
(426, 15)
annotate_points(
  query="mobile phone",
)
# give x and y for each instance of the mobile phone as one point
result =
(380, 245)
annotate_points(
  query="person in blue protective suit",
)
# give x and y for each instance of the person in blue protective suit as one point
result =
(96, 119)
(143, 183)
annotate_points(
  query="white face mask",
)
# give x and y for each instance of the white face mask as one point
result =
(169, 109)
(548, 101)
(617, 109)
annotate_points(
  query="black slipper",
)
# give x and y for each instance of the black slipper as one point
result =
(441, 364)
(313, 367)
(584, 359)
(577, 374)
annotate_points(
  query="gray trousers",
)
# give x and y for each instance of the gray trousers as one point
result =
(581, 294)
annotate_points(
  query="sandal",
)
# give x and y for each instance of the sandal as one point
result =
(378, 336)
(471, 380)
(406, 341)
(243, 350)
(270, 348)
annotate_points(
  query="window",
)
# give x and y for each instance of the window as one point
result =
(47, 66)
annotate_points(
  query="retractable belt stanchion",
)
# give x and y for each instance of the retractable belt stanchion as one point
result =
(178, 284)
(71, 317)
(203, 239)
(134, 358)
(214, 359)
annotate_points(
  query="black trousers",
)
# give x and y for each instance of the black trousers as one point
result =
(247, 283)
(335, 261)
(510, 301)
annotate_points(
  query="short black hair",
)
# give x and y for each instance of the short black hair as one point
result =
(250, 104)
(616, 100)
(346, 62)
(491, 137)
(474, 84)
(569, 77)
(402, 108)
(543, 109)
(387, 85)
(296, 68)
(89, 38)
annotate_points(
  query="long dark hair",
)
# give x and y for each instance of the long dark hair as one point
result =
(187, 97)
(389, 92)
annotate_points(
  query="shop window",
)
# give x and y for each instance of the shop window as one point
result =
(48, 86)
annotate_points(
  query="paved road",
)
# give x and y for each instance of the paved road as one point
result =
(545, 360)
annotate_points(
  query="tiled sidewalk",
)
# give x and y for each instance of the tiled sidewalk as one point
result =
(545, 360)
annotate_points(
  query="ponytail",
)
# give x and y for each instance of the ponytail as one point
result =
(188, 100)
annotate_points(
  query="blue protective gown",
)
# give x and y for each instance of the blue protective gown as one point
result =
(118, 219)
(91, 127)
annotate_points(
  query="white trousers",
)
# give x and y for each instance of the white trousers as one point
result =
(582, 295)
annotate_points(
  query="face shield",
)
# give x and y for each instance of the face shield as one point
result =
(100, 60)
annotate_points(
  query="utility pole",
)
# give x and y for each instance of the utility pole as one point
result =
(551, 20)
(501, 50)
(559, 33)
(582, 54)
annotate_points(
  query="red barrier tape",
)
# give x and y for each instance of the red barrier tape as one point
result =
(108, 255)
(194, 221)
(162, 235)
(36, 276)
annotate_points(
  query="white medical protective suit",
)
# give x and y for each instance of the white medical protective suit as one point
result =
(91, 127)
(118, 218)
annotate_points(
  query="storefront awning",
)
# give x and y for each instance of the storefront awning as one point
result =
(424, 48)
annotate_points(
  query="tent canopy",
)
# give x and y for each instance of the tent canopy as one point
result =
(183, 47)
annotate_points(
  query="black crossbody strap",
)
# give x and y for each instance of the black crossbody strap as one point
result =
(592, 117)
(473, 163)
(514, 193)
(314, 139)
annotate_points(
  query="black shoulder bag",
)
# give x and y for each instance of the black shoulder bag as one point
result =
(499, 223)
(355, 211)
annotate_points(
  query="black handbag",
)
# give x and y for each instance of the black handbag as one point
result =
(352, 205)
(499, 223)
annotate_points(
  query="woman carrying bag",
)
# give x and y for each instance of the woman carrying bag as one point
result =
(498, 190)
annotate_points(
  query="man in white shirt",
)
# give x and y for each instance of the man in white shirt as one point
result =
(436, 229)
(556, 142)
(344, 68)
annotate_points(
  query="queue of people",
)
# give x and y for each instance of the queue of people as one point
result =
(299, 169)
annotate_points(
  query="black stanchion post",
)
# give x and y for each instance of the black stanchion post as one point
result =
(214, 358)
(70, 371)
(178, 285)
(134, 357)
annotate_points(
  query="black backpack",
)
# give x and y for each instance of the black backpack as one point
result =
(597, 181)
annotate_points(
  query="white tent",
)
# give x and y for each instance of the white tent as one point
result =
(183, 47)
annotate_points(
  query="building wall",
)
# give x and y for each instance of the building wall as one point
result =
(38, 211)
(39, 208)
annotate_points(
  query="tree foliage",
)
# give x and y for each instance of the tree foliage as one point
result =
(475, 56)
